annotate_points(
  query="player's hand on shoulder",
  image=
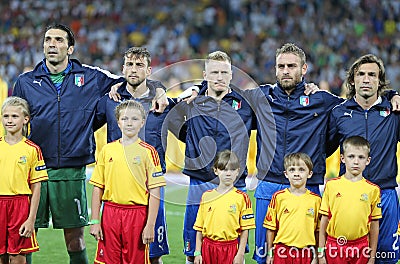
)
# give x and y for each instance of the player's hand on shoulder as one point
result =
(311, 88)
(189, 94)
(395, 103)
(160, 101)
(113, 94)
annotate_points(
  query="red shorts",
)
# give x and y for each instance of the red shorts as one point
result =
(292, 255)
(216, 252)
(14, 212)
(122, 227)
(340, 251)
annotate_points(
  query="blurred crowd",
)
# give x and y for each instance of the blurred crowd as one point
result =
(332, 33)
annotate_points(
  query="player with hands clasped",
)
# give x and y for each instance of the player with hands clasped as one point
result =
(351, 209)
(292, 216)
(22, 170)
(127, 179)
(224, 218)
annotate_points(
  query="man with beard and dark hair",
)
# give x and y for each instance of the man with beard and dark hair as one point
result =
(299, 122)
(137, 86)
(62, 95)
(368, 114)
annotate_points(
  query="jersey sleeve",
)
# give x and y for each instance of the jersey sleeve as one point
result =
(153, 167)
(270, 220)
(38, 168)
(246, 215)
(100, 116)
(324, 208)
(198, 224)
(97, 178)
(17, 90)
(317, 218)
(333, 136)
(176, 121)
(106, 79)
(376, 205)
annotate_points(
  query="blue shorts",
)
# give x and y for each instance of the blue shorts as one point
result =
(196, 190)
(160, 245)
(263, 195)
(388, 240)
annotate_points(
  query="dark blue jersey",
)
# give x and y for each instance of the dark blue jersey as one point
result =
(151, 132)
(213, 126)
(62, 119)
(380, 126)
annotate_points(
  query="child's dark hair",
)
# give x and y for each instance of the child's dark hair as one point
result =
(226, 159)
(293, 158)
(356, 141)
(23, 105)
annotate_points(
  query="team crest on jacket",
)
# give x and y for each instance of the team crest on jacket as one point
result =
(304, 100)
(384, 112)
(236, 105)
(79, 80)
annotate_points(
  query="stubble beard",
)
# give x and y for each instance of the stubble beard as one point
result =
(135, 84)
(290, 86)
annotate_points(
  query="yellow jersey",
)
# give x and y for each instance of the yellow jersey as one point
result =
(222, 217)
(350, 207)
(398, 229)
(21, 165)
(126, 173)
(295, 218)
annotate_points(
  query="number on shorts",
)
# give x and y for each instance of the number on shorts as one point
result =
(160, 234)
(395, 246)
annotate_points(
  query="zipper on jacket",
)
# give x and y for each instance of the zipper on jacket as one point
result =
(217, 123)
(366, 137)
(366, 124)
(286, 125)
(59, 128)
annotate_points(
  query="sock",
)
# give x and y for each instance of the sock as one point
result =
(189, 262)
(28, 258)
(78, 257)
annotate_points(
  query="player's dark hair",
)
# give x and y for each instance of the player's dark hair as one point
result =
(226, 159)
(23, 105)
(356, 141)
(138, 52)
(368, 58)
(292, 159)
(70, 34)
(292, 48)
